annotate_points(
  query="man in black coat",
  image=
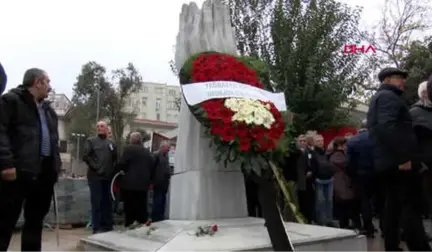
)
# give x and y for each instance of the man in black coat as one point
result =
(161, 181)
(138, 166)
(394, 149)
(29, 159)
(421, 112)
(361, 170)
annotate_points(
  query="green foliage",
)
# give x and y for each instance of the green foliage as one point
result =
(113, 91)
(418, 63)
(302, 45)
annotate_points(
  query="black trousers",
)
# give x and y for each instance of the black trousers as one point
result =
(348, 210)
(253, 204)
(101, 205)
(32, 193)
(306, 200)
(401, 211)
(364, 186)
(135, 206)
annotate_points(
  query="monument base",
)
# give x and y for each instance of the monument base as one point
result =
(244, 234)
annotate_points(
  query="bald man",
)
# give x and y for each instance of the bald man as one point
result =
(100, 155)
(138, 166)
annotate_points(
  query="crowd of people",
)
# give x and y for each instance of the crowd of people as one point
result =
(383, 171)
(141, 170)
(30, 165)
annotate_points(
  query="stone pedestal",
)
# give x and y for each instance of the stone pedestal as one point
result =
(201, 195)
(244, 234)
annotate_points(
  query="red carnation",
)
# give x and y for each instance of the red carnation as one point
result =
(245, 144)
(228, 133)
(214, 228)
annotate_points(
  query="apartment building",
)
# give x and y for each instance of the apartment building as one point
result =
(156, 102)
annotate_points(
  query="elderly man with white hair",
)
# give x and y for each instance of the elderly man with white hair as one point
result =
(138, 166)
(421, 113)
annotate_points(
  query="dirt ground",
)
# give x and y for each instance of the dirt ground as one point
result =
(69, 239)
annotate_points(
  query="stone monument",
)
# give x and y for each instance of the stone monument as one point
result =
(204, 192)
(200, 186)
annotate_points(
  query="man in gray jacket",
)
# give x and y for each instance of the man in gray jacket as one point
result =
(100, 154)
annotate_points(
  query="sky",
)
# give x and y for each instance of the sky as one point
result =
(61, 36)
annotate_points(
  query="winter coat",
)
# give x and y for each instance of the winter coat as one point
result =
(343, 186)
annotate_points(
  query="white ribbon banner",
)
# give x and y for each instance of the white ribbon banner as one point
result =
(196, 93)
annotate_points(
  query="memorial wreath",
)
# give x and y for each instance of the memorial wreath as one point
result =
(228, 98)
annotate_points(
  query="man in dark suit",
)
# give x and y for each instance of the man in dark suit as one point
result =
(361, 170)
(29, 158)
(138, 166)
(394, 149)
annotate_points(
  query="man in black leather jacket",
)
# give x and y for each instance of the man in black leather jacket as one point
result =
(29, 158)
(394, 149)
(100, 155)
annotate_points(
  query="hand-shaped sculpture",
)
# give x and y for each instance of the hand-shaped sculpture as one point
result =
(200, 185)
(203, 30)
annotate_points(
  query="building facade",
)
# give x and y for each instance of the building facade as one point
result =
(155, 102)
(61, 105)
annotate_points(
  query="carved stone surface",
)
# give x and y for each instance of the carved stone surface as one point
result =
(202, 188)
(245, 234)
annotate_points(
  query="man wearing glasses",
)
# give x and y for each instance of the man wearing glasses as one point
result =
(29, 158)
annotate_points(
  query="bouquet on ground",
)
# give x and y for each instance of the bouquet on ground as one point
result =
(226, 94)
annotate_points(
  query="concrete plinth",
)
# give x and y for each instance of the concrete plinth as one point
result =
(244, 234)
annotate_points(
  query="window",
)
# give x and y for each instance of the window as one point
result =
(172, 92)
(145, 89)
(63, 146)
(158, 104)
(159, 90)
(56, 104)
(158, 116)
(144, 101)
(172, 105)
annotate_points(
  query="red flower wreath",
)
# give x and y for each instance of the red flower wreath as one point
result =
(217, 117)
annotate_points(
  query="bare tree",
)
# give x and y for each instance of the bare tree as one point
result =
(401, 23)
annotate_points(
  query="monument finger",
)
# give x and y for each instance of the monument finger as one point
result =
(207, 22)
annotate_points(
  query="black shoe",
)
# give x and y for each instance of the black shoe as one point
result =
(368, 234)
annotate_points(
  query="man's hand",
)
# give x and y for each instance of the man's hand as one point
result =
(8, 174)
(309, 174)
(405, 167)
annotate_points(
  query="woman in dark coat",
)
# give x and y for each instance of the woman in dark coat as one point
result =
(343, 186)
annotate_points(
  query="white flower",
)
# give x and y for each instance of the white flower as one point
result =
(250, 111)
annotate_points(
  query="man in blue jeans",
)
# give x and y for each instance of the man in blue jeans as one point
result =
(161, 180)
(100, 154)
(322, 171)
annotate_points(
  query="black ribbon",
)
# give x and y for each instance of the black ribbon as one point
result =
(267, 198)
